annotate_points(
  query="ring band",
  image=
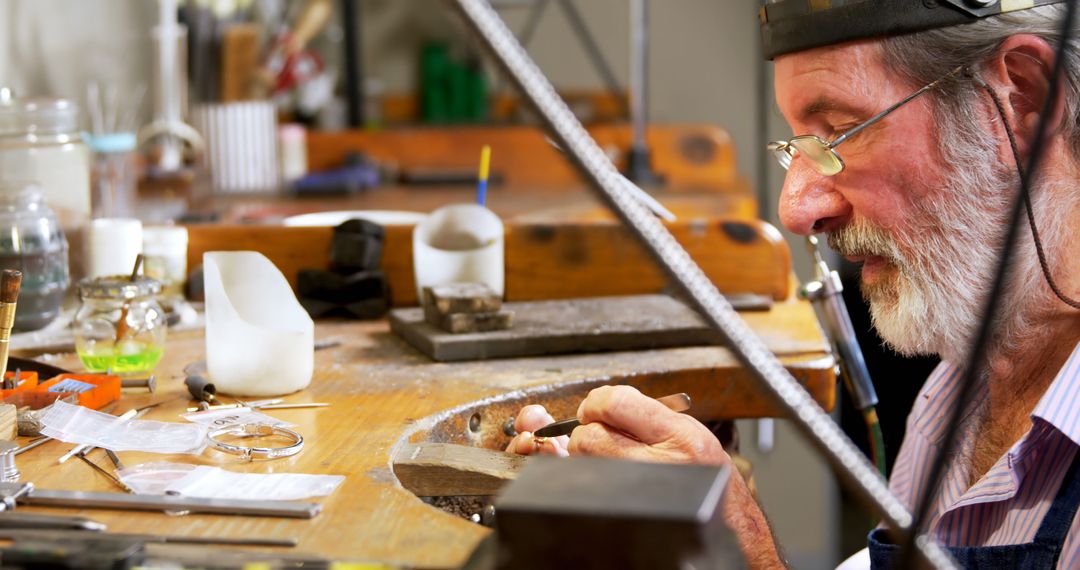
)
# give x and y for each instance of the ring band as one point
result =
(252, 430)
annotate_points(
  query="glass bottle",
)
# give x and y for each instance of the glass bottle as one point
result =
(32, 242)
(120, 325)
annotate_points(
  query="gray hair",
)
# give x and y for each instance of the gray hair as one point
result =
(925, 56)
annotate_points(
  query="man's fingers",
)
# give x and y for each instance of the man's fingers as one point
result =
(532, 418)
(628, 411)
(526, 443)
(599, 440)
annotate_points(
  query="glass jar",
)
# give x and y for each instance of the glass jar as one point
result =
(120, 326)
(40, 141)
(114, 175)
(32, 242)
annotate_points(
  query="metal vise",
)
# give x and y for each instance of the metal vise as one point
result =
(587, 512)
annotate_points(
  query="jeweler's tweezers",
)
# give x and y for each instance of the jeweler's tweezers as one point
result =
(675, 402)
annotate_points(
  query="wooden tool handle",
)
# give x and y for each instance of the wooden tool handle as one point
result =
(10, 282)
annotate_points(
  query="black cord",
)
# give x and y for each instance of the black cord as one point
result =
(1027, 203)
(978, 349)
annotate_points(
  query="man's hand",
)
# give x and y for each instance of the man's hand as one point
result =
(619, 421)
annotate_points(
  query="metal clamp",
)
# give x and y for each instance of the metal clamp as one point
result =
(253, 430)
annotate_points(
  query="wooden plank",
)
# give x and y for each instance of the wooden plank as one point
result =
(561, 261)
(543, 260)
(239, 61)
(589, 106)
(691, 157)
(444, 469)
(563, 327)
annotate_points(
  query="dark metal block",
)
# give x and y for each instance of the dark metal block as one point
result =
(587, 512)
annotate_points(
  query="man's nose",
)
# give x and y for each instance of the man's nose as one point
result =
(810, 203)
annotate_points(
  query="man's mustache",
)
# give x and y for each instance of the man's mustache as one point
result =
(863, 240)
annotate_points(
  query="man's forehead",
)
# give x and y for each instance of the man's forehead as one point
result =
(816, 80)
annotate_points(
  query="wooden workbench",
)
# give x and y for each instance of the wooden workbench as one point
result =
(385, 394)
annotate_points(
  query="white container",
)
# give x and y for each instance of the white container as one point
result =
(292, 152)
(462, 243)
(259, 340)
(112, 244)
(165, 256)
(241, 145)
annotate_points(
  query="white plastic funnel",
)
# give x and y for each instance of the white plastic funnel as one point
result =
(462, 243)
(259, 340)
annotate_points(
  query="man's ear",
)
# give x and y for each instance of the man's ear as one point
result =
(1019, 71)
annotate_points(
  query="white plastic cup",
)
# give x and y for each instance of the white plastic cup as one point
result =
(259, 340)
(112, 245)
(462, 243)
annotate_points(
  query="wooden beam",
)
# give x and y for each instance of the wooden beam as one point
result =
(691, 157)
(544, 260)
(446, 470)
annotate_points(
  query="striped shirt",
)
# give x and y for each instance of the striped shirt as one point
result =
(1005, 506)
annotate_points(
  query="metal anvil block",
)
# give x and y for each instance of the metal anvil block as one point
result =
(587, 512)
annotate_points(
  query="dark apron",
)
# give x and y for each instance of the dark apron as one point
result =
(1042, 552)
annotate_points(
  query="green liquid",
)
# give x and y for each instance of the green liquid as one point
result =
(102, 360)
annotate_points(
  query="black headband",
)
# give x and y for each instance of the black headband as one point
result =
(794, 25)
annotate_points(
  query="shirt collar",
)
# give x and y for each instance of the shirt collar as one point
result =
(938, 397)
(1060, 404)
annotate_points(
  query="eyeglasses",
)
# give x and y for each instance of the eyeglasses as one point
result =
(822, 154)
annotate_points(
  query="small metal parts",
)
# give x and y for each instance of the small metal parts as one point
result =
(149, 383)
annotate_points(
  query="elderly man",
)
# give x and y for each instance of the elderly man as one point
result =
(920, 197)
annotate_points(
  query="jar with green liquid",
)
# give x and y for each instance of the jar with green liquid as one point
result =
(120, 326)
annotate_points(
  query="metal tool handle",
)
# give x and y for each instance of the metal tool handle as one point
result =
(201, 388)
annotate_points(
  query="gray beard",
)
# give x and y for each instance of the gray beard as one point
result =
(942, 259)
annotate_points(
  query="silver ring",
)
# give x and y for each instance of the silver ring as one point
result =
(253, 430)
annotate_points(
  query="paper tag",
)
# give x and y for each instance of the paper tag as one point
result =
(215, 419)
(71, 385)
(214, 483)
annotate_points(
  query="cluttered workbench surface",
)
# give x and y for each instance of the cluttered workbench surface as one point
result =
(385, 396)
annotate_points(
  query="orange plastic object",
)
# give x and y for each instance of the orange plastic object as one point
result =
(94, 391)
(37, 400)
(27, 381)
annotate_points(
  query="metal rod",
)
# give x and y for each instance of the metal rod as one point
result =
(37, 442)
(639, 70)
(112, 478)
(354, 64)
(137, 502)
(533, 21)
(592, 49)
(170, 539)
(773, 379)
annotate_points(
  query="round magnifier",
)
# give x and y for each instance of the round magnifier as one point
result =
(817, 151)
